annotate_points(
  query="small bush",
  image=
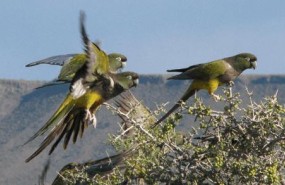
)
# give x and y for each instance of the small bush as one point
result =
(238, 145)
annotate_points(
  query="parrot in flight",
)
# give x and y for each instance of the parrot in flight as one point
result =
(73, 62)
(92, 85)
(210, 76)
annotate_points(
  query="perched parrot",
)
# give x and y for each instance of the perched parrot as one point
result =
(72, 62)
(92, 85)
(210, 76)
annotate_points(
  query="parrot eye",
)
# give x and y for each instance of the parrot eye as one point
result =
(130, 77)
(119, 58)
(124, 59)
(247, 58)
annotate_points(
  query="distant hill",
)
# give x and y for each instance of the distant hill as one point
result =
(11, 92)
(24, 110)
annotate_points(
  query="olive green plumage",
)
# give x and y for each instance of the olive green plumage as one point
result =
(131, 109)
(72, 62)
(74, 115)
(210, 75)
(92, 85)
(67, 72)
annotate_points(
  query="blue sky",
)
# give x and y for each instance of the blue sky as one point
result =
(155, 35)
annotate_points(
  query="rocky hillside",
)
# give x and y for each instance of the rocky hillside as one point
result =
(24, 110)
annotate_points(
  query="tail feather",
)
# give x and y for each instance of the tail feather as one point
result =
(181, 76)
(63, 130)
(190, 92)
(56, 118)
(46, 142)
(81, 130)
(183, 69)
(74, 119)
(59, 60)
(72, 128)
(177, 70)
(68, 134)
(79, 120)
(76, 131)
(57, 121)
(82, 127)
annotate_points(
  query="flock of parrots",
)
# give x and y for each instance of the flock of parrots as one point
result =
(95, 78)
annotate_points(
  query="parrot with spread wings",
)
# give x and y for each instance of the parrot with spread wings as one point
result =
(72, 62)
(92, 85)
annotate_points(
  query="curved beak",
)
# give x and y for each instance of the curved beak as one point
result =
(136, 82)
(253, 64)
(124, 63)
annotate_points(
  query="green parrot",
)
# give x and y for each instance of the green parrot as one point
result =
(72, 62)
(116, 61)
(210, 76)
(92, 85)
(131, 109)
(73, 115)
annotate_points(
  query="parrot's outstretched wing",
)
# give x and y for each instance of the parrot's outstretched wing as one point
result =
(89, 89)
(97, 60)
(96, 65)
(74, 115)
(58, 60)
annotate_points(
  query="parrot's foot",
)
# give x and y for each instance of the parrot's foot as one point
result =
(92, 118)
(216, 97)
(231, 83)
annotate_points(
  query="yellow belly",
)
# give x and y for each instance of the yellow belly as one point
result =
(211, 85)
(89, 99)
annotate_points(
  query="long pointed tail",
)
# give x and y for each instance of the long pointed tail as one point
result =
(57, 117)
(73, 123)
(190, 92)
(177, 70)
(183, 69)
